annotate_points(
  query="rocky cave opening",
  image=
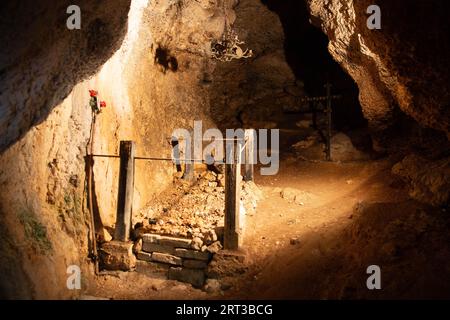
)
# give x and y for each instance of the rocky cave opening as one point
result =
(149, 228)
(306, 51)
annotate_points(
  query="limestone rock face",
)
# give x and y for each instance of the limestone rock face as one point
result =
(150, 69)
(404, 64)
(41, 59)
(429, 181)
(252, 92)
(43, 83)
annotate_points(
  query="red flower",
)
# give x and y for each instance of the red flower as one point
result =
(102, 104)
(93, 93)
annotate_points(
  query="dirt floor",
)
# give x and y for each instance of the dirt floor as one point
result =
(292, 245)
(347, 216)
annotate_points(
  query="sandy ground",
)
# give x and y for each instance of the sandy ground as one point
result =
(284, 270)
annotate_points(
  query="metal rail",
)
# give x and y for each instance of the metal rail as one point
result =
(165, 158)
(155, 158)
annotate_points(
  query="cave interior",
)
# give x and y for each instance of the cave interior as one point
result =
(362, 173)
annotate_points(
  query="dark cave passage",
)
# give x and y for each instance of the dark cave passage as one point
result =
(307, 54)
(291, 62)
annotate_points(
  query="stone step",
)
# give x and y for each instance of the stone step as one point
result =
(174, 242)
(152, 269)
(191, 254)
(145, 256)
(196, 277)
(172, 246)
(87, 297)
(167, 258)
(151, 238)
(153, 247)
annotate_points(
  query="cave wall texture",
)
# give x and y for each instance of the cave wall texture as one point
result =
(149, 61)
(46, 121)
(405, 64)
(252, 93)
(45, 129)
(41, 60)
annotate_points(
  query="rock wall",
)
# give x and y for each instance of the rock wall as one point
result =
(428, 180)
(44, 226)
(404, 64)
(252, 92)
(41, 59)
(153, 83)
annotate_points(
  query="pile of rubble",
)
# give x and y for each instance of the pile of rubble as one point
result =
(194, 210)
(342, 149)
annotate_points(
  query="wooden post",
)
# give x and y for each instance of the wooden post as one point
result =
(126, 188)
(188, 170)
(188, 155)
(93, 233)
(232, 236)
(249, 154)
(328, 136)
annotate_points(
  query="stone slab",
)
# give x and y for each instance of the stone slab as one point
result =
(196, 277)
(175, 242)
(167, 258)
(152, 247)
(191, 254)
(145, 256)
(117, 255)
(151, 238)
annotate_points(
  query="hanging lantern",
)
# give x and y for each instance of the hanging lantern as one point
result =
(228, 48)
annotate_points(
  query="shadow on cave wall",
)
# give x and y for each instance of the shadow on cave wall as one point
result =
(307, 54)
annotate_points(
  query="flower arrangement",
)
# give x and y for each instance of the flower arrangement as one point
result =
(96, 108)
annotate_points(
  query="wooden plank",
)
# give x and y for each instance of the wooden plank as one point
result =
(250, 135)
(187, 154)
(232, 236)
(188, 171)
(126, 188)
